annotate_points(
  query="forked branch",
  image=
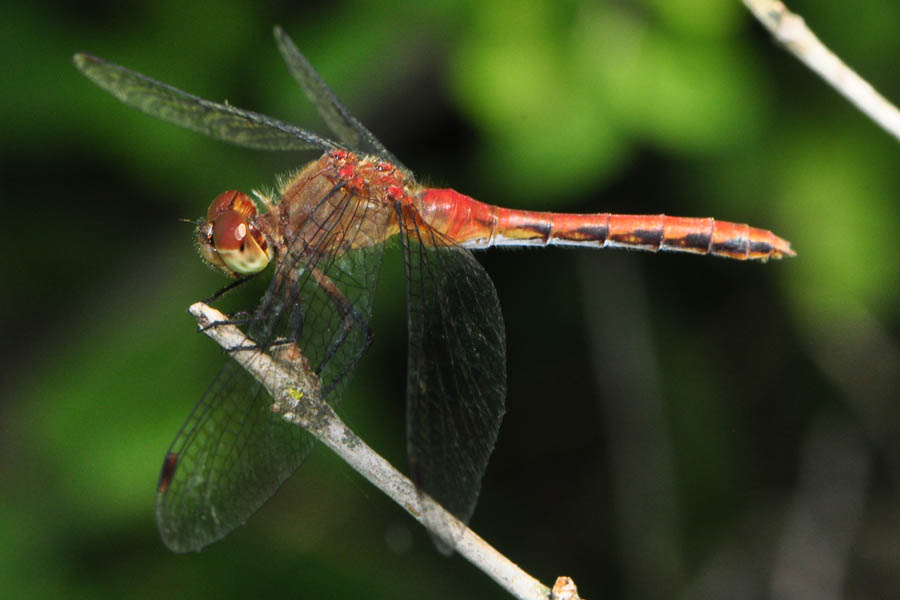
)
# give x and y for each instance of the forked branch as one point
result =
(791, 31)
(296, 397)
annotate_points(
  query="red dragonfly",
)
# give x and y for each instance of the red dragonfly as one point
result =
(325, 232)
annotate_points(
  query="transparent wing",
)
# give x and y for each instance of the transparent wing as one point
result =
(456, 383)
(233, 453)
(344, 125)
(230, 456)
(221, 121)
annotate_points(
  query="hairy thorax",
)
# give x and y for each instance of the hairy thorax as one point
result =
(338, 203)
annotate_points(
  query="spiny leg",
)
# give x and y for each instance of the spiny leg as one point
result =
(350, 318)
(239, 318)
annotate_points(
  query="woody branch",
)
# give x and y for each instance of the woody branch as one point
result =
(296, 397)
(791, 31)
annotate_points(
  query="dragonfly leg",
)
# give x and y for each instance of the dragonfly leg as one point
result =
(351, 318)
(227, 289)
(239, 318)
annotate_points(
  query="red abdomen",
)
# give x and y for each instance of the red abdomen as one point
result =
(475, 224)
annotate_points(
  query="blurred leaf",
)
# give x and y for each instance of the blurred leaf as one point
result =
(706, 18)
(690, 96)
(836, 200)
(105, 410)
(548, 133)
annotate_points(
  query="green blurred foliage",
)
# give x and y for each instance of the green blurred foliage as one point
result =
(646, 106)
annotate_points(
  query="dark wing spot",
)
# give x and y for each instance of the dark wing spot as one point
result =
(168, 471)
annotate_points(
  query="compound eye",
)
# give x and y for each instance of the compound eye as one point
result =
(204, 239)
(238, 244)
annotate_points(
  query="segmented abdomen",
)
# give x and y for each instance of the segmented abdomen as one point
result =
(474, 224)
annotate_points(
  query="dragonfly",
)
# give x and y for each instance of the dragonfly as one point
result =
(325, 231)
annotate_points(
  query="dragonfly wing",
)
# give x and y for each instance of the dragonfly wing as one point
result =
(220, 121)
(325, 301)
(229, 457)
(233, 453)
(344, 125)
(456, 383)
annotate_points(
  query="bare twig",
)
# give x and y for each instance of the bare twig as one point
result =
(791, 31)
(564, 589)
(296, 396)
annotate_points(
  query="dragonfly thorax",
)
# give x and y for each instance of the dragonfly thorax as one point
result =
(229, 239)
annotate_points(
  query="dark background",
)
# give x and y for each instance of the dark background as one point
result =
(676, 425)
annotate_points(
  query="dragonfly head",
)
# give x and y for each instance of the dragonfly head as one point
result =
(229, 239)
